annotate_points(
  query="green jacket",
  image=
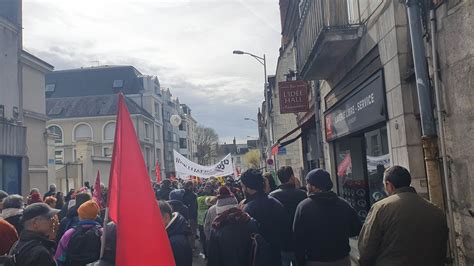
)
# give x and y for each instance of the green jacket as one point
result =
(202, 208)
(404, 230)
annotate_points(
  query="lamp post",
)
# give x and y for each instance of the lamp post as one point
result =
(263, 61)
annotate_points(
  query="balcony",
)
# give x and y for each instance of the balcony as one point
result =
(328, 30)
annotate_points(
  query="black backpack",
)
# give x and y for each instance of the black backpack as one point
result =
(15, 253)
(84, 246)
(260, 253)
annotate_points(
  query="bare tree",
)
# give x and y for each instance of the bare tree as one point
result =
(207, 145)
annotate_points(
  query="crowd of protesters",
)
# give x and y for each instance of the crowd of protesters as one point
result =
(237, 221)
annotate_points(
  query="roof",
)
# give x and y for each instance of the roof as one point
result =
(94, 81)
(89, 106)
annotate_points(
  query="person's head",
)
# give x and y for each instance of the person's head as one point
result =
(225, 200)
(52, 188)
(252, 182)
(285, 175)
(51, 201)
(166, 212)
(177, 194)
(88, 210)
(318, 180)
(189, 185)
(269, 183)
(396, 177)
(87, 184)
(39, 218)
(3, 195)
(81, 198)
(34, 191)
(165, 183)
(13, 202)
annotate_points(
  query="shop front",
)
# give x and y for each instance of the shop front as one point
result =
(356, 127)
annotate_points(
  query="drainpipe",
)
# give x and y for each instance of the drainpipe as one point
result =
(429, 139)
(319, 139)
(449, 214)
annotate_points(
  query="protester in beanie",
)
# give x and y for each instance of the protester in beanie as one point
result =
(323, 224)
(34, 248)
(270, 214)
(8, 237)
(223, 193)
(176, 202)
(178, 233)
(290, 196)
(13, 211)
(34, 197)
(230, 242)
(87, 213)
(165, 189)
(72, 217)
(3, 195)
(190, 200)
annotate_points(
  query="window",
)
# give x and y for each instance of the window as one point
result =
(58, 132)
(109, 131)
(157, 111)
(147, 131)
(74, 155)
(118, 83)
(158, 134)
(82, 131)
(182, 143)
(50, 87)
(107, 152)
(158, 156)
(59, 156)
(147, 157)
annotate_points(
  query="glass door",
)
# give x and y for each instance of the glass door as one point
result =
(378, 159)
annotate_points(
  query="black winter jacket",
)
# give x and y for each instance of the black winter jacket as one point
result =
(15, 220)
(230, 245)
(178, 233)
(71, 220)
(163, 193)
(34, 250)
(322, 227)
(290, 197)
(190, 200)
(273, 221)
(180, 208)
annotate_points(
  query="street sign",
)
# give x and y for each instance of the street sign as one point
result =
(270, 161)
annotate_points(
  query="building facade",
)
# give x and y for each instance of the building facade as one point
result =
(171, 106)
(84, 130)
(187, 134)
(366, 110)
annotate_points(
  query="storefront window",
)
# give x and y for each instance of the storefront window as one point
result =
(378, 159)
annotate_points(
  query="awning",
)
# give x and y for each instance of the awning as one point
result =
(281, 143)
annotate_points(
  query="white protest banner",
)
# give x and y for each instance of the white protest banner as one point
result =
(185, 168)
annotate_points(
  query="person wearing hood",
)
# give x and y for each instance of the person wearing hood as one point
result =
(323, 224)
(165, 189)
(12, 212)
(178, 230)
(273, 220)
(176, 202)
(222, 193)
(230, 241)
(34, 197)
(72, 217)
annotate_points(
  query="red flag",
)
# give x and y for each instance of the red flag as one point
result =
(141, 236)
(275, 149)
(158, 172)
(97, 196)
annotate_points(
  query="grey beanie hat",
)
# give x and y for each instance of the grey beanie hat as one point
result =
(225, 203)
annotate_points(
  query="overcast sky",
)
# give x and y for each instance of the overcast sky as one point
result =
(188, 44)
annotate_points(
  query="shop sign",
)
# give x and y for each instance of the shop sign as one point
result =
(362, 108)
(293, 96)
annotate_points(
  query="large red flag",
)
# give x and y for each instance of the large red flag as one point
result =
(97, 195)
(141, 235)
(158, 172)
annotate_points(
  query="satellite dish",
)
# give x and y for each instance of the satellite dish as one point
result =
(175, 120)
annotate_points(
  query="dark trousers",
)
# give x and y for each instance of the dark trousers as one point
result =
(202, 239)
